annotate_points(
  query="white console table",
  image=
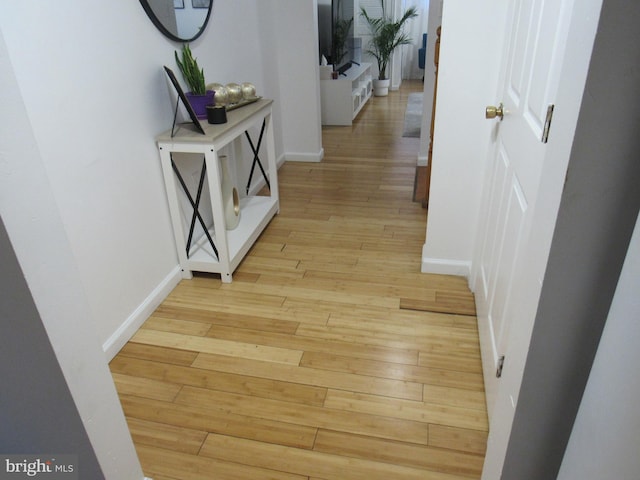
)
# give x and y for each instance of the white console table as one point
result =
(343, 98)
(199, 254)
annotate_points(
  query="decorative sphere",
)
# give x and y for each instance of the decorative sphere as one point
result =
(248, 90)
(221, 97)
(235, 92)
(214, 86)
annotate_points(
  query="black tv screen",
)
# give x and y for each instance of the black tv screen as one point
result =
(335, 32)
(342, 33)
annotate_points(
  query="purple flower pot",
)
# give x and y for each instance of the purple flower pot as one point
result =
(199, 102)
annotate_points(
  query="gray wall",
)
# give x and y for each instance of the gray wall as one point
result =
(37, 413)
(597, 215)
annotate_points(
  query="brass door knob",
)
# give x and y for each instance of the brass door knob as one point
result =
(493, 112)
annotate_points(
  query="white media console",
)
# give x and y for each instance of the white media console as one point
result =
(343, 98)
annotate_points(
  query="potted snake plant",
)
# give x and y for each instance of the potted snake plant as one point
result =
(386, 36)
(198, 95)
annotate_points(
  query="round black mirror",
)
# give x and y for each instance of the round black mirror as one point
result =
(180, 20)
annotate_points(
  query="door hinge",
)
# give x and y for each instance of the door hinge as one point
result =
(500, 365)
(547, 124)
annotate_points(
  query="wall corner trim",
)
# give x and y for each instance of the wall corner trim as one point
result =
(304, 157)
(444, 266)
(129, 327)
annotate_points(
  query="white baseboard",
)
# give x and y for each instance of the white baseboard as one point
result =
(446, 267)
(123, 334)
(305, 157)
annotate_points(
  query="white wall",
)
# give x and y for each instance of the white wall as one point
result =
(468, 72)
(605, 437)
(94, 102)
(292, 64)
(30, 213)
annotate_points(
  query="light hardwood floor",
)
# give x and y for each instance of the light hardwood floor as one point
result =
(329, 356)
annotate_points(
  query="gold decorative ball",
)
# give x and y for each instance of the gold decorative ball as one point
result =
(221, 96)
(214, 86)
(234, 92)
(248, 90)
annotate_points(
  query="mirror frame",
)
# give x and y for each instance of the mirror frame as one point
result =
(160, 26)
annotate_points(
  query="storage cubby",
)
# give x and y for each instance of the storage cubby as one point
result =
(343, 98)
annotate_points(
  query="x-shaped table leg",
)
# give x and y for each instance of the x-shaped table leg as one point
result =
(256, 158)
(195, 205)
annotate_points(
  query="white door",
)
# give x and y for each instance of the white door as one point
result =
(534, 60)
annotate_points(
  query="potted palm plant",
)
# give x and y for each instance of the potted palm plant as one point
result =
(386, 36)
(199, 97)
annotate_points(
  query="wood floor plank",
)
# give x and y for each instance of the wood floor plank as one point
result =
(458, 439)
(256, 263)
(157, 354)
(406, 409)
(399, 453)
(364, 266)
(304, 312)
(185, 327)
(198, 467)
(445, 302)
(237, 320)
(307, 463)
(360, 314)
(306, 239)
(359, 336)
(358, 422)
(440, 356)
(359, 292)
(220, 347)
(422, 280)
(457, 397)
(367, 316)
(301, 342)
(289, 288)
(155, 389)
(426, 328)
(396, 371)
(209, 418)
(309, 376)
(164, 374)
(215, 296)
(170, 437)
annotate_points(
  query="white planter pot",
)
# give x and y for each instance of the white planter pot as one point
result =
(381, 87)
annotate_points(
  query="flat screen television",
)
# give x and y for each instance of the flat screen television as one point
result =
(335, 32)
